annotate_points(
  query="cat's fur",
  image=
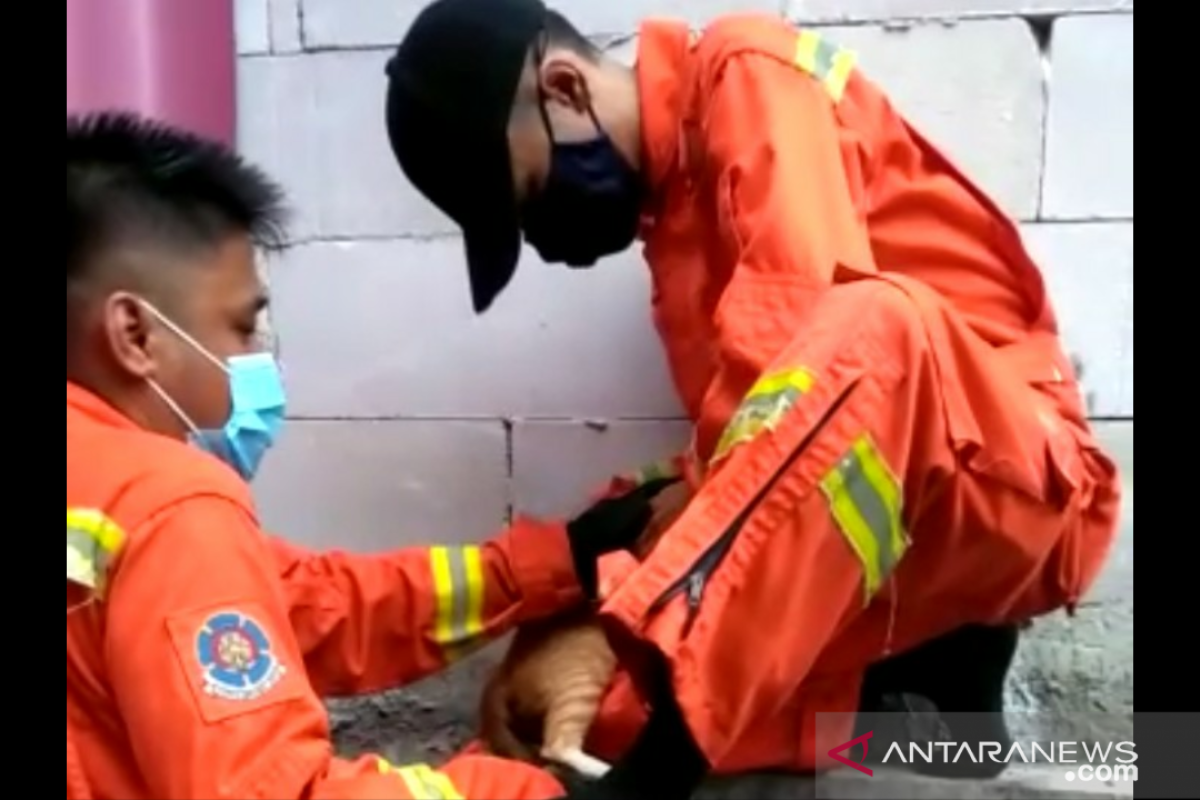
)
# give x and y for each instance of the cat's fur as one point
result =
(546, 693)
(543, 698)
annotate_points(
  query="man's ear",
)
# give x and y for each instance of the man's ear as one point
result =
(129, 331)
(562, 81)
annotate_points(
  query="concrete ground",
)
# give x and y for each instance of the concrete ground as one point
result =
(1073, 679)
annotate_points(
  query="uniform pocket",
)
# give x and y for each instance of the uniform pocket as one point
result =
(1018, 434)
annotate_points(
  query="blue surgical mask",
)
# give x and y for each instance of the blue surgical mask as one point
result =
(257, 406)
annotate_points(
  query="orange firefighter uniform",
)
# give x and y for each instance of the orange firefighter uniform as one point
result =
(198, 647)
(889, 441)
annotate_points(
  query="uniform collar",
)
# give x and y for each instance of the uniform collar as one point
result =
(662, 53)
(89, 404)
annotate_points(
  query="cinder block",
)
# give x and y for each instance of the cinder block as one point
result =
(274, 102)
(315, 121)
(558, 465)
(386, 328)
(362, 23)
(375, 486)
(624, 17)
(985, 111)
(285, 26)
(883, 10)
(252, 27)
(1089, 136)
(1088, 268)
(382, 23)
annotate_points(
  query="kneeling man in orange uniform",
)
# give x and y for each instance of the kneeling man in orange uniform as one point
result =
(891, 458)
(198, 646)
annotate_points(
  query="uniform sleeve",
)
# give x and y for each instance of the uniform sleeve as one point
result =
(790, 177)
(790, 194)
(208, 677)
(370, 622)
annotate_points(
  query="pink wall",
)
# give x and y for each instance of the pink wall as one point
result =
(171, 59)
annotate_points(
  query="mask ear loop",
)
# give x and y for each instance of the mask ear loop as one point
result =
(182, 334)
(171, 404)
(184, 417)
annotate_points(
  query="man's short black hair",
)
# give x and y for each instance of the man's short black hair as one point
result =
(136, 182)
(561, 33)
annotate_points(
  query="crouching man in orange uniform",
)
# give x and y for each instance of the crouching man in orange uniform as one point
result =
(890, 454)
(197, 646)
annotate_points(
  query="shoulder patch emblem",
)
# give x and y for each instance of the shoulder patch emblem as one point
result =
(235, 657)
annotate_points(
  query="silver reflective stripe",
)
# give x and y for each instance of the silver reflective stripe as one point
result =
(762, 407)
(458, 584)
(826, 53)
(866, 501)
(458, 597)
(81, 559)
(873, 508)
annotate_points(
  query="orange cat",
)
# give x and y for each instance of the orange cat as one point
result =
(552, 678)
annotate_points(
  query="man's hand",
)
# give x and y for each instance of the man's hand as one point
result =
(615, 523)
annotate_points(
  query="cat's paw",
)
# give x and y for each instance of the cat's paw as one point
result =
(579, 761)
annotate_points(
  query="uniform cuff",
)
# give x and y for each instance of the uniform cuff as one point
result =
(544, 566)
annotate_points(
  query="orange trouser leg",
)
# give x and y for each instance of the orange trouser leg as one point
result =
(854, 528)
(772, 743)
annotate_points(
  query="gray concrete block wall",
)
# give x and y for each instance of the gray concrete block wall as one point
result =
(415, 421)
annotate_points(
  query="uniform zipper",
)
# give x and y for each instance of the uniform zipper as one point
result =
(694, 582)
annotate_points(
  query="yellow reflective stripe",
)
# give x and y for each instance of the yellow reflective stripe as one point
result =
(825, 61)
(799, 379)
(807, 44)
(413, 782)
(92, 541)
(442, 781)
(768, 400)
(422, 782)
(843, 65)
(473, 561)
(458, 585)
(867, 503)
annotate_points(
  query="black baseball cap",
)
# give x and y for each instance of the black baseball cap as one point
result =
(451, 87)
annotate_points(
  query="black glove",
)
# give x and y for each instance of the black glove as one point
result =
(611, 524)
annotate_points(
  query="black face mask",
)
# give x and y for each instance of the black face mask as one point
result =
(590, 206)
